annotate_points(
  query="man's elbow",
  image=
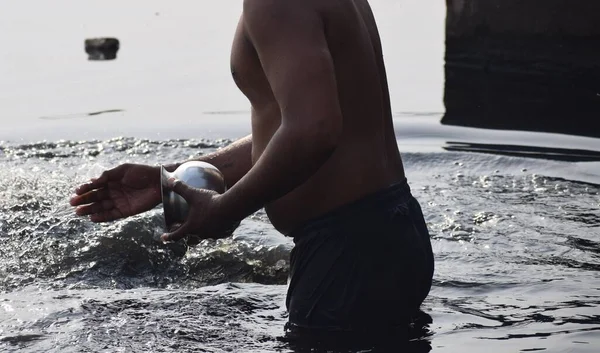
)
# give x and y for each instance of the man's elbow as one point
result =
(325, 134)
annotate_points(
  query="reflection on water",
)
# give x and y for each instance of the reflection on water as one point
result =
(560, 154)
(476, 97)
(513, 65)
(514, 80)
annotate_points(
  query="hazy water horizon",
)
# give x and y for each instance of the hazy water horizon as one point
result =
(172, 71)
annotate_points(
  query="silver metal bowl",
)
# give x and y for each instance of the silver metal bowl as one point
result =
(201, 175)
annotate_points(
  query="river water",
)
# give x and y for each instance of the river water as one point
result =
(516, 239)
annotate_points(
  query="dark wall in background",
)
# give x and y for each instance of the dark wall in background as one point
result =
(523, 65)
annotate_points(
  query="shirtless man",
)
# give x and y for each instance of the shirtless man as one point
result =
(322, 160)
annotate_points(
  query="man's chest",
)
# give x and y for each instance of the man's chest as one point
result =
(247, 70)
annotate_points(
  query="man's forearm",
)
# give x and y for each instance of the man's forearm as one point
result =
(288, 161)
(234, 161)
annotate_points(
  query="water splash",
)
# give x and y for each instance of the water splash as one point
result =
(517, 258)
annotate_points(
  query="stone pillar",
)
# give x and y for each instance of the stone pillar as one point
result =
(523, 65)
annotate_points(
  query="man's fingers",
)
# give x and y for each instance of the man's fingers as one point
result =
(174, 227)
(87, 187)
(96, 183)
(181, 189)
(176, 235)
(90, 197)
(95, 207)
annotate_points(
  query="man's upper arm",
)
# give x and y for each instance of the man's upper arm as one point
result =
(291, 45)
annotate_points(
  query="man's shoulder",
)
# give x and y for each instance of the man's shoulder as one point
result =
(273, 7)
(253, 5)
(268, 16)
(283, 3)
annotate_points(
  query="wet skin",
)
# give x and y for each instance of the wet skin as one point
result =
(322, 132)
(326, 58)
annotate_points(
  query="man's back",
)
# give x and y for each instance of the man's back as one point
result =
(366, 159)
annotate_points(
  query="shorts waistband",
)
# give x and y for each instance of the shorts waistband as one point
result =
(381, 200)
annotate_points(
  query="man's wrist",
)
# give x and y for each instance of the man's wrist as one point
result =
(222, 212)
(228, 210)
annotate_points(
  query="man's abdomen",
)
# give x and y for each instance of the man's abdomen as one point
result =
(347, 176)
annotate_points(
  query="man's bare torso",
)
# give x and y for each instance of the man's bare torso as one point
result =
(367, 157)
